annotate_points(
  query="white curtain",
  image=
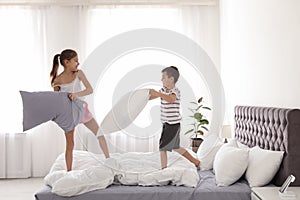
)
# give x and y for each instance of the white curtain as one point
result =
(33, 35)
(197, 22)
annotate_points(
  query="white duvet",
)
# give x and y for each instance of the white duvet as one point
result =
(93, 171)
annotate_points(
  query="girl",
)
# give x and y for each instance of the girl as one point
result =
(69, 81)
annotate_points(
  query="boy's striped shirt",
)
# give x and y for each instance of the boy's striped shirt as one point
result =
(170, 112)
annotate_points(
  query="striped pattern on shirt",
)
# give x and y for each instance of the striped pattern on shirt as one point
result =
(170, 112)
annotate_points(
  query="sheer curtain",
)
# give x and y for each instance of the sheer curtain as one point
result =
(22, 68)
(33, 35)
(196, 22)
(30, 37)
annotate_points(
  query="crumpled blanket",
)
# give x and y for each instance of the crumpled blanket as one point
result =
(92, 171)
(40, 107)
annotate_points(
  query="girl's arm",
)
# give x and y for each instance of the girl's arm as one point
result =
(56, 88)
(88, 88)
(169, 98)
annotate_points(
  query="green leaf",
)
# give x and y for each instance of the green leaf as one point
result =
(199, 107)
(200, 99)
(204, 121)
(188, 131)
(200, 132)
(204, 128)
(198, 116)
(207, 108)
(193, 102)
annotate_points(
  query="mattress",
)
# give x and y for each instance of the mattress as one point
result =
(206, 189)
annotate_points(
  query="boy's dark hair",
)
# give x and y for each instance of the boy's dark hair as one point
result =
(172, 71)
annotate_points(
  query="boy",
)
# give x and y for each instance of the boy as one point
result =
(170, 116)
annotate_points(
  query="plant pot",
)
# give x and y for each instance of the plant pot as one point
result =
(195, 143)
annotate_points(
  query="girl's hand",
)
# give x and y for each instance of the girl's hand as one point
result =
(72, 96)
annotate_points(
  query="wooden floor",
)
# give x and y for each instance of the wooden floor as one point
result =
(20, 189)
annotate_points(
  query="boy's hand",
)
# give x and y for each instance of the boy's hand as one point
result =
(153, 94)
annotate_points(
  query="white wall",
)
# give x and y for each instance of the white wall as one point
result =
(260, 53)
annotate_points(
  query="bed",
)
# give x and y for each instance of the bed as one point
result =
(270, 128)
(276, 129)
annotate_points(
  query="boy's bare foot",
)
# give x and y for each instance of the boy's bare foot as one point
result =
(163, 168)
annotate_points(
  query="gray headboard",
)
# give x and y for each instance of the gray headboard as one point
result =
(276, 129)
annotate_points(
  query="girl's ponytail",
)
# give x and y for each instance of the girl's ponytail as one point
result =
(55, 66)
(66, 54)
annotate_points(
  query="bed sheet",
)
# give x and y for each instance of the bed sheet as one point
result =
(206, 189)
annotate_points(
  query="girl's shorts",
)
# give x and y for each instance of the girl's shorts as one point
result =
(87, 115)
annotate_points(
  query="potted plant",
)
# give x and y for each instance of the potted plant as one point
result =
(199, 125)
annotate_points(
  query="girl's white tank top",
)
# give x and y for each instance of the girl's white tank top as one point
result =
(72, 87)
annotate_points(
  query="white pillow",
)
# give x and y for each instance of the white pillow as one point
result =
(263, 165)
(125, 111)
(233, 142)
(207, 151)
(230, 164)
(241, 145)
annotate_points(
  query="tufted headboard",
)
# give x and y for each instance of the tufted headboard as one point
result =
(276, 129)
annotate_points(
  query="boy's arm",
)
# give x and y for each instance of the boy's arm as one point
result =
(169, 98)
(152, 97)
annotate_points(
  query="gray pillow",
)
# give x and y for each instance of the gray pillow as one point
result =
(40, 107)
